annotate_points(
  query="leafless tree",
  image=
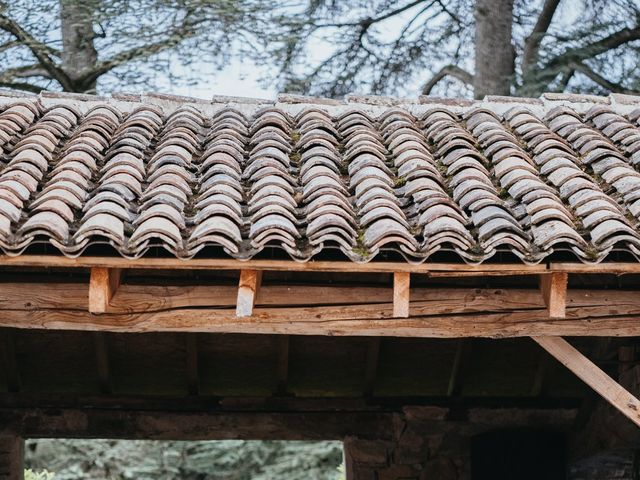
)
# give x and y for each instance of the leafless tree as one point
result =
(484, 47)
(72, 44)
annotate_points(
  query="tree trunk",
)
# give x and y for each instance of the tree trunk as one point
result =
(495, 64)
(78, 51)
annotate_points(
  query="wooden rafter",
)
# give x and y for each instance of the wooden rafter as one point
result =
(401, 294)
(102, 287)
(593, 376)
(554, 292)
(248, 287)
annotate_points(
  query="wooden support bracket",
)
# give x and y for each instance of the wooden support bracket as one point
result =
(248, 287)
(554, 292)
(401, 284)
(102, 287)
(592, 375)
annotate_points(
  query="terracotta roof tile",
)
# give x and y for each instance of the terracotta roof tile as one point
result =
(363, 176)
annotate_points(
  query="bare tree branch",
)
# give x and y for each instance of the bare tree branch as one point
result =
(21, 86)
(532, 42)
(39, 50)
(367, 22)
(447, 71)
(24, 71)
(600, 80)
(183, 31)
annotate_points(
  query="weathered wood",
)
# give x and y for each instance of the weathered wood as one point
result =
(439, 312)
(371, 320)
(102, 361)
(401, 294)
(248, 287)
(554, 293)
(11, 457)
(284, 342)
(102, 287)
(593, 376)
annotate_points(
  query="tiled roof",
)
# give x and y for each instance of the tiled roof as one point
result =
(361, 176)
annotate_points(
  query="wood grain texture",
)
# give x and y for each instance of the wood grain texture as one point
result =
(554, 292)
(248, 287)
(401, 294)
(102, 287)
(323, 310)
(593, 376)
(431, 268)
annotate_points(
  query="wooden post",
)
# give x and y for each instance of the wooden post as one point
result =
(102, 361)
(554, 292)
(11, 457)
(248, 287)
(102, 287)
(592, 375)
(401, 283)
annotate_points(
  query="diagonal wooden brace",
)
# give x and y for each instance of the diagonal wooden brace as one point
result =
(592, 375)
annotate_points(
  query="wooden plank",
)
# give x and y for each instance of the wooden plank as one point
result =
(369, 320)
(284, 342)
(248, 287)
(554, 292)
(102, 361)
(401, 294)
(593, 376)
(102, 287)
(273, 265)
(11, 457)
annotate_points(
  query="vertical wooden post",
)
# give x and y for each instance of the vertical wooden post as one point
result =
(102, 361)
(102, 287)
(401, 284)
(554, 292)
(283, 363)
(248, 287)
(193, 376)
(11, 457)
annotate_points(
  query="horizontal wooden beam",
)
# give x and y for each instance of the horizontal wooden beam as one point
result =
(441, 313)
(170, 425)
(592, 375)
(431, 268)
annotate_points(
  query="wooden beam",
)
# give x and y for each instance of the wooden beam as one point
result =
(401, 294)
(248, 287)
(193, 375)
(371, 369)
(554, 292)
(102, 287)
(11, 457)
(102, 361)
(284, 342)
(435, 312)
(593, 376)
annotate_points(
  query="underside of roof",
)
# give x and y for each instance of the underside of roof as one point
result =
(366, 177)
